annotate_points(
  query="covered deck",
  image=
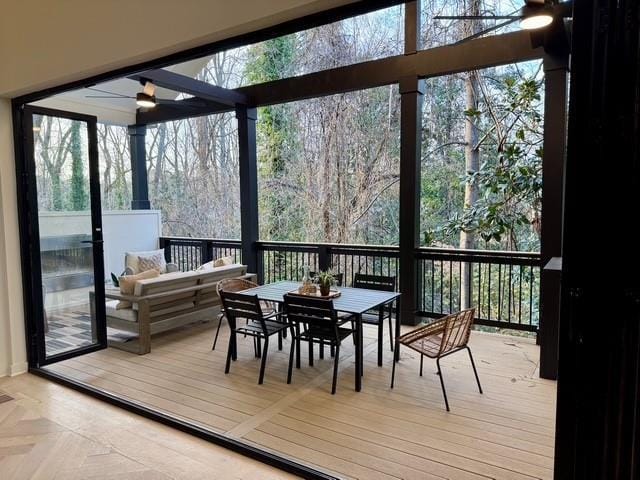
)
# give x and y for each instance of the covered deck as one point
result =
(506, 433)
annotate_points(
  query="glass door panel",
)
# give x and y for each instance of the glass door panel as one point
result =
(70, 274)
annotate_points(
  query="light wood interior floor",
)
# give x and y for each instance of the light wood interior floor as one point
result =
(379, 433)
(50, 432)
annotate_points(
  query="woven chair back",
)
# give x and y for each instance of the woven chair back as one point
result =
(457, 330)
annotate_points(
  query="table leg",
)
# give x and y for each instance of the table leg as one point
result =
(361, 346)
(359, 367)
(396, 351)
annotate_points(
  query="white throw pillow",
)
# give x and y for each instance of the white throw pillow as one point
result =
(205, 266)
(223, 262)
(131, 259)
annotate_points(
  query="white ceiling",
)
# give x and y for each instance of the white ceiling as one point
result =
(116, 111)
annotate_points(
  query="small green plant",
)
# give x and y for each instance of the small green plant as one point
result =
(325, 280)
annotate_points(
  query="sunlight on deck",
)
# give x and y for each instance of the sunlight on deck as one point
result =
(507, 433)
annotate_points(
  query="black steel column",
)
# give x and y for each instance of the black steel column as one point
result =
(411, 95)
(598, 412)
(139, 181)
(248, 186)
(554, 148)
(411, 92)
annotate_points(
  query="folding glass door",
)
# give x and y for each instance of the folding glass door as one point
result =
(65, 234)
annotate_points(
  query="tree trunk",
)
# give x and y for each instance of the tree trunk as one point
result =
(472, 161)
(79, 198)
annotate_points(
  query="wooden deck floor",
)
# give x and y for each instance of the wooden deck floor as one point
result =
(379, 433)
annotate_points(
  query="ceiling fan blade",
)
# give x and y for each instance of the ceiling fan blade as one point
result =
(188, 102)
(487, 30)
(117, 97)
(476, 17)
(113, 94)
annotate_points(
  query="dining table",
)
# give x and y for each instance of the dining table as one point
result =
(352, 301)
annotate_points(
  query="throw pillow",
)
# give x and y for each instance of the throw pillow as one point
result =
(155, 261)
(131, 259)
(128, 283)
(205, 266)
(224, 261)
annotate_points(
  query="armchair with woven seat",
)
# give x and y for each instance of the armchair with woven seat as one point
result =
(259, 325)
(238, 285)
(439, 339)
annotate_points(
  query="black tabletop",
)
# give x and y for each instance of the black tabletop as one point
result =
(351, 300)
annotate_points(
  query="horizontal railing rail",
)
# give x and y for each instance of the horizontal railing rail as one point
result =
(189, 253)
(285, 260)
(503, 287)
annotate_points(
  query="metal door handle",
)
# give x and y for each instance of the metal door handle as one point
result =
(93, 242)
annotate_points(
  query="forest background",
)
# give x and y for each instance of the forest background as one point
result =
(329, 167)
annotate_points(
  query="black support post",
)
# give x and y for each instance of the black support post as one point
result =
(139, 181)
(411, 95)
(554, 148)
(248, 186)
(411, 92)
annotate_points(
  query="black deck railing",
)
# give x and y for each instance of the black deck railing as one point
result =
(504, 287)
(285, 260)
(190, 253)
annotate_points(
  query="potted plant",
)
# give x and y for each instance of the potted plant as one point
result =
(325, 280)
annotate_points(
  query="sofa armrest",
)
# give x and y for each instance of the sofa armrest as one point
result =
(172, 267)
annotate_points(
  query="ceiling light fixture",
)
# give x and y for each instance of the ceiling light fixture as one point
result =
(534, 18)
(145, 100)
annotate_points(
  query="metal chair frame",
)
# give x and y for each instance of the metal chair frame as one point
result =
(455, 330)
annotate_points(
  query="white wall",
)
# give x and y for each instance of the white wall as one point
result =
(13, 357)
(46, 43)
(122, 231)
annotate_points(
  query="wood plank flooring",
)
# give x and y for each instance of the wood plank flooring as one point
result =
(48, 432)
(379, 433)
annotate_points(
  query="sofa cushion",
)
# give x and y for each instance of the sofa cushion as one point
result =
(112, 310)
(128, 283)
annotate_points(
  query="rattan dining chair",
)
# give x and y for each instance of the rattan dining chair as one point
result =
(314, 320)
(439, 339)
(237, 285)
(259, 326)
(380, 314)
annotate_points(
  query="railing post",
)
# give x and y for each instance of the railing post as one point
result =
(260, 264)
(165, 244)
(206, 251)
(324, 258)
(555, 131)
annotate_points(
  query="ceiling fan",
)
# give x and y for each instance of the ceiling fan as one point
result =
(144, 99)
(534, 15)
